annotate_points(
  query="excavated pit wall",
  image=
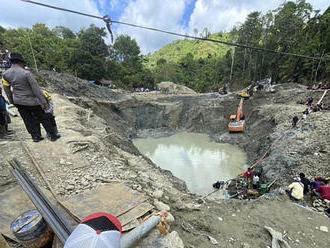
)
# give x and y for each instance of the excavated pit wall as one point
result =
(267, 115)
(207, 113)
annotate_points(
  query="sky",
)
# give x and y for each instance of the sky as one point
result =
(182, 16)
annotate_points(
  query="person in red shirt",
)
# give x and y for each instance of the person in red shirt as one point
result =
(248, 175)
(324, 191)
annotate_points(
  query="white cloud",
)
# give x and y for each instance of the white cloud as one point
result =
(162, 14)
(20, 14)
(223, 15)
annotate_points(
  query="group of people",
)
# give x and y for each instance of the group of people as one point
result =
(34, 105)
(302, 186)
(311, 108)
(252, 178)
(318, 86)
(4, 59)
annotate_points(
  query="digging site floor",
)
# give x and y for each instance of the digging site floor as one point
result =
(97, 126)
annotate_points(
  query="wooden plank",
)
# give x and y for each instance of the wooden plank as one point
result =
(13, 202)
(3, 242)
(114, 198)
(135, 213)
(134, 223)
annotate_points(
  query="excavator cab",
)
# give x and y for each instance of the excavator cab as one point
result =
(237, 122)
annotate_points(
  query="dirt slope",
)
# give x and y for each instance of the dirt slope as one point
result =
(97, 125)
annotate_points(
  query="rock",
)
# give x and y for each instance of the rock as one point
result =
(323, 229)
(62, 161)
(69, 187)
(158, 194)
(161, 206)
(88, 177)
(170, 218)
(173, 240)
(246, 245)
(192, 206)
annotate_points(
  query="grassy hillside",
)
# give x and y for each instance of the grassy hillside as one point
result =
(175, 50)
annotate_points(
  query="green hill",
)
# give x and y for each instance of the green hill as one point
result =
(177, 49)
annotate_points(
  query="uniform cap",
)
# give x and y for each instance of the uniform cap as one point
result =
(16, 57)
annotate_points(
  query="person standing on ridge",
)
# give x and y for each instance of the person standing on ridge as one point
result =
(248, 175)
(49, 110)
(295, 120)
(27, 97)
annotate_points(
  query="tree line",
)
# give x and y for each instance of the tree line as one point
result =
(83, 54)
(293, 27)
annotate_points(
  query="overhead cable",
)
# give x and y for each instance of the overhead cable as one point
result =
(181, 35)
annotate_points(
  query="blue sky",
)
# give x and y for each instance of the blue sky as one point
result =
(181, 16)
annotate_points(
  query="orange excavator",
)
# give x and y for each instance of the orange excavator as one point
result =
(237, 122)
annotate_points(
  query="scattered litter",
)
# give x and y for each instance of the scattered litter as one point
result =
(213, 240)
(323, 229)
(276, 238)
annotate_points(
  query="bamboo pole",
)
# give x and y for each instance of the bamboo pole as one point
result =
(34, 58)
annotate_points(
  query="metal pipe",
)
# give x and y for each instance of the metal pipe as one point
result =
(63, 235)
(44, 206)
(137, 233)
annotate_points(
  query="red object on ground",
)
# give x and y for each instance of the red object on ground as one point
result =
(324, 191)
(249, 174)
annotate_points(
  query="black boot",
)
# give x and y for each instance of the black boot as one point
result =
(54, 137)
(37, 138)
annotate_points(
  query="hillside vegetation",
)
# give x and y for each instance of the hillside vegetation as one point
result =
(176, 50)
(292, 28)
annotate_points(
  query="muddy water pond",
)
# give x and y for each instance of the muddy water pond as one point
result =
(194, 158)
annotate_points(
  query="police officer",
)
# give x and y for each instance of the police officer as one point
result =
(27, 97)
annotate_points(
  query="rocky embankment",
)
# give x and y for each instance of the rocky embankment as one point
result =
(97, 125)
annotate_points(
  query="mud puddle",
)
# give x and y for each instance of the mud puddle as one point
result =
(194, 158)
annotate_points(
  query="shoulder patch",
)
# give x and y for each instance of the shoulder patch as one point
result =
(5, 82)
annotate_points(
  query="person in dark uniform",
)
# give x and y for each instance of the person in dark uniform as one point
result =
(305, 182)
(27, 97)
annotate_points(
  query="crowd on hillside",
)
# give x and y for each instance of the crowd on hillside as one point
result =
(4, 59)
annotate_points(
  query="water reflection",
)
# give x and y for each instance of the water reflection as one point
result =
(194, 158)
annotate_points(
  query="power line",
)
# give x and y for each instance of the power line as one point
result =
(105, 18)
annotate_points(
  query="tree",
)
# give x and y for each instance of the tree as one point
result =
(64, 32)
(126, 48)
(87, 66)
(2, 29)
(93, 42)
